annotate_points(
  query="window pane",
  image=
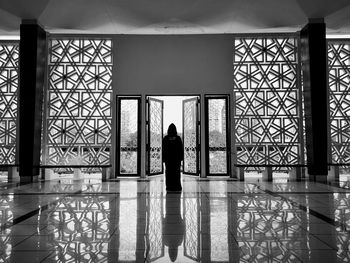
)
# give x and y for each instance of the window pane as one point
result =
(217, 136)
(128, 136)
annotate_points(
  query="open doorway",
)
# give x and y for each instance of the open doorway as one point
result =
(184, 112)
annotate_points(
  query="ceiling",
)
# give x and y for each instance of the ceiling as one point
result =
(173, 16)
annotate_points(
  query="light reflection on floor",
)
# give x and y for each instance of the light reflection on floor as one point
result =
(210, 221)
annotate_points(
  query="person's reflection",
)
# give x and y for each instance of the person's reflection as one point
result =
(173, 225)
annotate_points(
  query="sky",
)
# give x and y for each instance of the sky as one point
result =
(172, 111)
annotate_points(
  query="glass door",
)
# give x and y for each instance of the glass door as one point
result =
(191, 135)
(128, 142)
(154, 124)
(217, 139)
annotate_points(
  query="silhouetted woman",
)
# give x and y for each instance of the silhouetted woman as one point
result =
(172, 157)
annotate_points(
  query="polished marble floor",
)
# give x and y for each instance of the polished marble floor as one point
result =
(134, 220)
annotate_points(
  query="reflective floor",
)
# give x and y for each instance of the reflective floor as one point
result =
(209, 221)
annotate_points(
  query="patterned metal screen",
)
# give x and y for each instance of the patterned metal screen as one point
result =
(267, 105)
(190, 135)
(128, 136)
(339, 88)
(217, 136)
(79, 102)
(9, 54)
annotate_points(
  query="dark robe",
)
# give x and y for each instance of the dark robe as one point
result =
(172, 157)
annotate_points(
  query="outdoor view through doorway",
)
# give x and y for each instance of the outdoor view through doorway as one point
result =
(183, 111)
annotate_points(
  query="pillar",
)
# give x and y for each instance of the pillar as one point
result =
(32, 67)
(295, 174)
(314, 66)
(267, 174)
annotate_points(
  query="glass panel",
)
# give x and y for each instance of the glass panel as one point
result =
(79, 102)
(267, 108)
(128, 136)
(190, 136)
(156, 135)
(339, 88)
(217, 136)
(9, 54)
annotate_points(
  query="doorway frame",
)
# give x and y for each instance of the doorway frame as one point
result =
(199, 96)
(148, 135)
(198, 137)
(118, 122)
(226, 97)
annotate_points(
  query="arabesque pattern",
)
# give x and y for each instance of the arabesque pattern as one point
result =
(9, 59)
(155, 226)
(339, 99)
(90, 216)
(217, 136)
(79, 102)
(190, 136)
(192, 223)
(267, 104)
(156, 136)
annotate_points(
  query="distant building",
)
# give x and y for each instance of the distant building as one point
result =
(223, 119)
(124, 125)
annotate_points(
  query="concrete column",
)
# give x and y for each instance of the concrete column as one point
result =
(295, 174)
(333, 175)
(314, 66)
(106, 174)
(240, 173)
(267, 174)
(12, 174)
(32, 67)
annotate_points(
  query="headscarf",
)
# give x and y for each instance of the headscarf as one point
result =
(172, 130)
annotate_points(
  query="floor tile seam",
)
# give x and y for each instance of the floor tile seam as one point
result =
(47, 257)
(27, 237)
(200, 192)
(314, 236)
(30, 214)
(324, 218)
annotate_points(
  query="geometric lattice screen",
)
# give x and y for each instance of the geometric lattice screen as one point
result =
(79, 109)
(267, 101)
(9, 54)
(339, 99)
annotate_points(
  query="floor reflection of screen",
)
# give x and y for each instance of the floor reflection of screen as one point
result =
(218, 228)
(191, 218)
(128, 221)
(155, 217)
